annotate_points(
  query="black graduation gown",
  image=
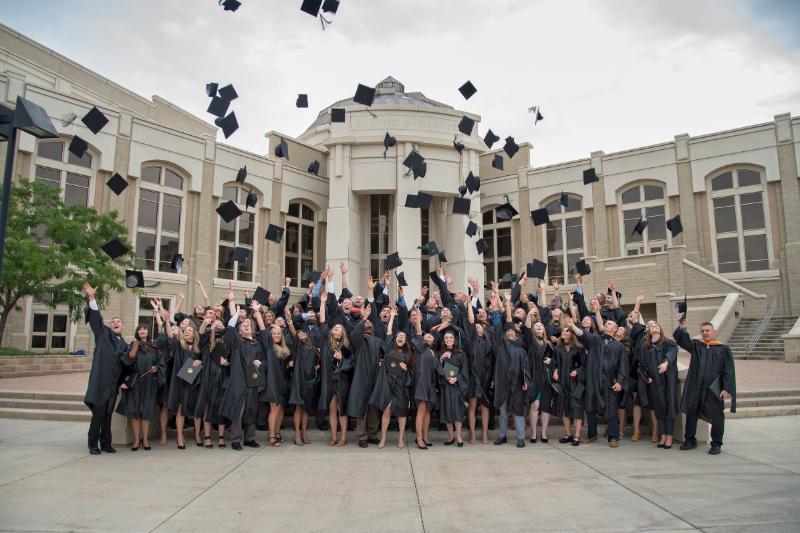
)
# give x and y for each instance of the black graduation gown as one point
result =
(538, 385)
(139, 399)
(510, 374)
(425, 373)
(238, 394)
(662, 394)
(335, 376)
(304, 391)
(165, 348)
(605, 364)
(215, 379)
(549, 400)
(481, 365)
(708, 363)
(571, 404)
(366, 361)
(107, 365)
(182, 394)
(452, 397)
(392, 386)
(278, 371)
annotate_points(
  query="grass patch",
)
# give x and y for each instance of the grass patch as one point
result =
(15, 352)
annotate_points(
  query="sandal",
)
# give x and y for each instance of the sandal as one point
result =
(332, 441)
(274, 442)
(305, 439)
(207, 442)
(221, 443)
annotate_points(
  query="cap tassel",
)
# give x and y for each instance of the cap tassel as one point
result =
(323, 21)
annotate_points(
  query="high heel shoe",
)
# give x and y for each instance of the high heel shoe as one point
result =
(460, 444)
(147, 448)
(207, 443)
(134, 448)
(428, 444)
(545, 441)
(449, 442)
(421, 447)
(181, 446)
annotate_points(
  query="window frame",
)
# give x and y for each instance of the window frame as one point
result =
(241, 194)
(64, 167)
(380, 257)
(563, 215)
(646, 245)
(161, 190)
(495, 260)
(170, 299)
(296, 277)
(37, 308)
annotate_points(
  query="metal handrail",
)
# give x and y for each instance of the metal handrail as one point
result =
(762, 327)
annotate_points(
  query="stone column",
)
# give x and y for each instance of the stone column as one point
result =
(602, 246)
(273, 255)
(790, 196)
(692, 225)
(464, 261)
(406, 227)
(527, 247)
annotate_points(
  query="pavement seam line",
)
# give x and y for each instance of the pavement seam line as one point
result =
(43, 471)
(416, 489)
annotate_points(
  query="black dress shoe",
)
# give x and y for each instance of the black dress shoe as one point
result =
(545, 441)
(147, 448)
(565, 439)
(576, 441)
(533, 440)
(449, 442)
(252, 444)
(237, 446)
(421, 447)
(660, 446)
(521, 443)
(373, 441)
(108, 449)
(500, 440)
(362, 443)
(94, 450)
(689, 445)
(716, 449)
(428, 444)
(667, 447)
(460, 444)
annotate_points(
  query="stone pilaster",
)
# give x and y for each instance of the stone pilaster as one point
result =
(602, 245)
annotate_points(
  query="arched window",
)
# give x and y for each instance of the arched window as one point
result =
(238, 233)
(159, 217)
(498, 258)
(740, 226)
(301, 226)
(564, 237)
(644, 201)
(61, 169)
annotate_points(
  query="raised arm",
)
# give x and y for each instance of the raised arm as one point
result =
(345, 281)
(157, 316)
(202, 291)
(256, 307)
(614, 297)
(93, 315)
(179, 304)
(682, 337)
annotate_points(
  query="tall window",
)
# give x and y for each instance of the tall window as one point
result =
(59, 168)
(300, 229)
(158, 228)
(497, 259)
(425, 237)
(49, 329)
(564, 238)
(740, 228)
(644, 201)
(378, 233)
(146, 316)
(238, 233)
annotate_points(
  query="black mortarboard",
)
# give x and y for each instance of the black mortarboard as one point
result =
(251, 200)
(589, 176)
(241, 174)
(511, 147)
(540, 216)
(681, 306)
(302, 100)
(430, 248)
(536, 110)
(424, 200)
(117, 183)
(505, 211)
(472, 229)
(473, 183)
(401, 279)
(228, 93)
(177, 262)
(490, 139)
(412, 201)
(442, 257)
(218, 106)
(261, 295)
(229, 124)
(337, 114)
(364, 95)
(95, 120)
(461, 206)
(462, 190)
(115, 248)
(509, 278)
(583, 268)
(481, 245)
(311, 7)
(330, 6)
(231, 5)
(229, 211)
(675, 226)
(420, 169)
(536, 269)
(393, 261)
(640, 226)
(78, 146)
(458, 146)
(497, 162)
(211, 89)
(282, 150)
(311, 276)
(619, 294)
(467, 90)
(413, 159)
(274, 233)
(313, 168)
(134, 279)
(563, 200)
(241, 255)
(388, 142)
(466, 125)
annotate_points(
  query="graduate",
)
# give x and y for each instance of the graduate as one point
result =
(279, 363)
(570, 374)
(425, 379)
(183, 395)
(367, 354)
(104, 378)
(658, 368)
(304, 389)
(540, 357)
(216, 362)
(623, 336)
(481, 373)
(336, 371)
(453, 383)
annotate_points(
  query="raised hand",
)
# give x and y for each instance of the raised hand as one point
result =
(365, 312)
(370, 284)
(89, 290)
(556, 285)
(255, 306)
(231, 296)
(343, 267)
(524, 280)
(640, 298)
(154, 305)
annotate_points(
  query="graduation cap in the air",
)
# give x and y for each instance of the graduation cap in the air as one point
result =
(540, 216)
(536, 269)
(330, 6)
(311, 276)
(311, 7)
(583, 268)
(229, 211)
(472, 229)
(420, 169)
(393, 261)
(337, 114)
(462, 190)
(78, 147)
(388, 142)
(134, 279)
(241, 174)
(95, 120)
(466, 125)
(228, 124)
(401, 279)
(261, 295)
(473, 183)
(509, 278)
(505, 211)
(640, 226)
(511, 148)
(467, 90)
(564, 200)
(364, 95)
(68, 118)
(681, 307)
(241, 255)
(251, 200)
(675, 226)
(412, 159)
(537, 113)
(228, 93)
(458, 145)
(302, 100)
(497, 162)
(442, 257)
(115, 248)
(590, 176)
(218, 106)
(211, 89)
(177, 262)
(313, 168)
(117, 183)
(424, 200)
(230, 5)
(481, 245)
(412, 201)
(461, 206)
(282, 150)
(430, 248)
(274, 233)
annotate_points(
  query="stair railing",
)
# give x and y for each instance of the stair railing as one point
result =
(762, 327)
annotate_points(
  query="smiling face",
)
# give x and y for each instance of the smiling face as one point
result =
(276, 333)
(538, 329)
(347, 306)
(184, 323)
(430, 306)
(337, 332)
(358, 301)
(449, 340)
(556, 313)
(116, 325)
(482, 316)
(400, 340)
(586, 323)
(654, 329)
(385, 314)
(610, 328)
(566, 335)
(142, 333)
(620, 334)
(269, 317)
(708, 333)
(246, 329)
(188, 334)
(199, 311)
(428, 338)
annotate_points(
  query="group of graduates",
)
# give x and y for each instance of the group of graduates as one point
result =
(370, 359)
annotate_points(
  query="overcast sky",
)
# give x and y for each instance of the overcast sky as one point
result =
(609, 75)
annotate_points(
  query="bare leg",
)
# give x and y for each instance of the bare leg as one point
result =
(621, 417)
(145, 433)
(533, 415)
(343, 429)
(459, 439)
(578, 424)
(637, 419)
(401, 425)
(654, 436)
(471, 419)
(136, 425)
(162, 418)
(198, 426)
(179, 426)
(545, 423)
(385, 417)
(419, 423)
(221, 433)
(279, 420)
(297, 419)
(427, 425)
(304, 427)
(485, 414)
(450, 437)
(333, 419)
(567, 425)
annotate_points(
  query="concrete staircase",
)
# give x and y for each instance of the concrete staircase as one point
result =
(765, 403)
(44, 406)
(769, 346)
(17, 367)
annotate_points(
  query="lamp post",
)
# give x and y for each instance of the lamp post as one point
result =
(29, 118)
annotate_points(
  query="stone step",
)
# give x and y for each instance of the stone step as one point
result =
(749, 412)
(767, 401)
(54, 405)
(34, 395)
(46, 414)
(759, 357)
(764, 393)
(43, 360)
(29, 373)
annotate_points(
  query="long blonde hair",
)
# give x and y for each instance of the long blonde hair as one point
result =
(195, 337)
(281, 349)
(332, 343)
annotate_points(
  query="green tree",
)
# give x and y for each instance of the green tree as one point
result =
(53, 249)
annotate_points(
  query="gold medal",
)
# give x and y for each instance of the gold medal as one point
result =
(255, 375)
(189, 370)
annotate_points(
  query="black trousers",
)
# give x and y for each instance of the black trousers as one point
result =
(715, 416)
(100, 426)
(613, 420)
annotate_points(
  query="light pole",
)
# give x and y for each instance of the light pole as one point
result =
(29, 118)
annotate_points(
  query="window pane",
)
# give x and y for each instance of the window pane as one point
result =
(230, 193)
(246, 228)
(292, 237)
(50, 150)
(307, 250)
(376, 268)
(722, 182)
(488, 236)
(656, 227)
(58, 341)
(631, 196)
(574, 233)
(85, 161)
(148, 209)
(308, 213)
(171, 214)
(225, 262)
(38, 341)
(425, 227)
(503, 268)
(573, 204)
(294, 210)
(755, 252)
(40, 322)
(503, 243)
(77, 190)
(752, 211)
(571, 260)
(49, 176)
(290, 267)
(169, 247)
(554, 237)
(227, 230)
(553, 208)
(488, 217)
(653, 192)
(555, 266)
(488, 272)
(146, 250)
(151, 174)
(748, 177)
(306, 265)
(59, 324)
(728, 254)
(724, 214)
(631, 218)
(172, 180)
